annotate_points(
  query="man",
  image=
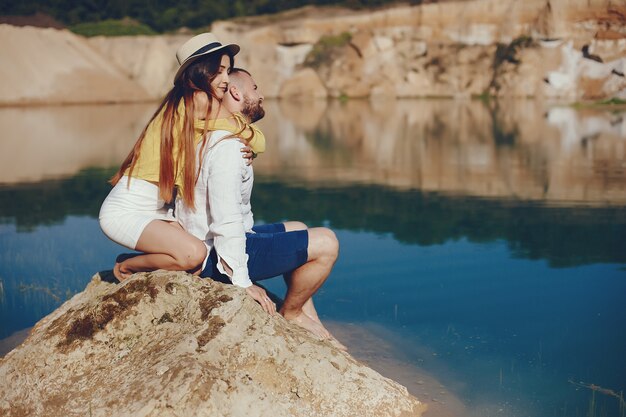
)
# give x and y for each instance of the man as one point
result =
(244, 96)
(240, 252)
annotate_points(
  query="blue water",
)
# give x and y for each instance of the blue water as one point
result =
(513, 331)
(515, 334)
(495, 309)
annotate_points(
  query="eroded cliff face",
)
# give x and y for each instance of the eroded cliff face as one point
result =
(169, 344)
(499, 47)
(563, 49)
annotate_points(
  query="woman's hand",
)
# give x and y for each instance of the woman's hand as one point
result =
(247, 153)
(261, 297)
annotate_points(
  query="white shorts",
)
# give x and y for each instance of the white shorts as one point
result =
(126, 211)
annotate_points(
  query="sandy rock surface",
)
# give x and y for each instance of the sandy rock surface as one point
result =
(169, 344)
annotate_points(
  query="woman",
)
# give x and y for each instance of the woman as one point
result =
(135, 214)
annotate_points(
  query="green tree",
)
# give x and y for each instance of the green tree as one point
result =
(164, 15)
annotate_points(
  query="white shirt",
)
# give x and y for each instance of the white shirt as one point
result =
(223, 213)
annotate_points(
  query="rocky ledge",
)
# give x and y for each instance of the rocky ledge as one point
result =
(169, 344)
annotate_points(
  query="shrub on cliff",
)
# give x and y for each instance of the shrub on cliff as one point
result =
(324, 48)
(112, 27)
(506, 55)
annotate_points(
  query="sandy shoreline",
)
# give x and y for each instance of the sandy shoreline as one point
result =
(378, 352)
(370, 348)
(9, 343)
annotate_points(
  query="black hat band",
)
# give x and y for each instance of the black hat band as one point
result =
(206, 48)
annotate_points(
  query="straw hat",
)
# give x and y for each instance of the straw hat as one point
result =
(198, 46)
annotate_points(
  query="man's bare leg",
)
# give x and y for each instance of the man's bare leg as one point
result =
(291, 226)
(305, 281)
(308, 307)
(309, 311)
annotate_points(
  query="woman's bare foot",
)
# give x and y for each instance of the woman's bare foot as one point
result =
(118, 270)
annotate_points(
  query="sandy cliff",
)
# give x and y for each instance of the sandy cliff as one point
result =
(169, 344)
(150, 61)
(56, 66)
(564, 49)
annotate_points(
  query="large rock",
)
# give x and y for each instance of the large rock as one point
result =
(169, 344)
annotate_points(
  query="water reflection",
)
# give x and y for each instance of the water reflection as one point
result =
(51, 142)
(563, 236)
(522, 150)
(51, 201)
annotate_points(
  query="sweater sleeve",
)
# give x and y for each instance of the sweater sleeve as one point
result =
(225, 200)
(257, 143)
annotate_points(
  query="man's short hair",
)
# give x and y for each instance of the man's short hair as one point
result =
(235, 70)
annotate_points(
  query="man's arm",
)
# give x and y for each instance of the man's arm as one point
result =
(225, 202)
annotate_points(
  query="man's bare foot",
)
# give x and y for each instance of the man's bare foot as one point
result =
(309, 309)
(308, 323)
(315, 327)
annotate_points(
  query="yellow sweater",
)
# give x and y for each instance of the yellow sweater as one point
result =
(148, 164)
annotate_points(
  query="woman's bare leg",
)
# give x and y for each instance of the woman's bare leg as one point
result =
(166, 246)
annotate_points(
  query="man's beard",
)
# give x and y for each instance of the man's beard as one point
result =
(252, 110)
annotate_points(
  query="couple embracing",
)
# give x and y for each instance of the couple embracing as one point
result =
(182, 196)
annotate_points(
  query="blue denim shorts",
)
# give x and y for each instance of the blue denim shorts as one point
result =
(271, 252)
